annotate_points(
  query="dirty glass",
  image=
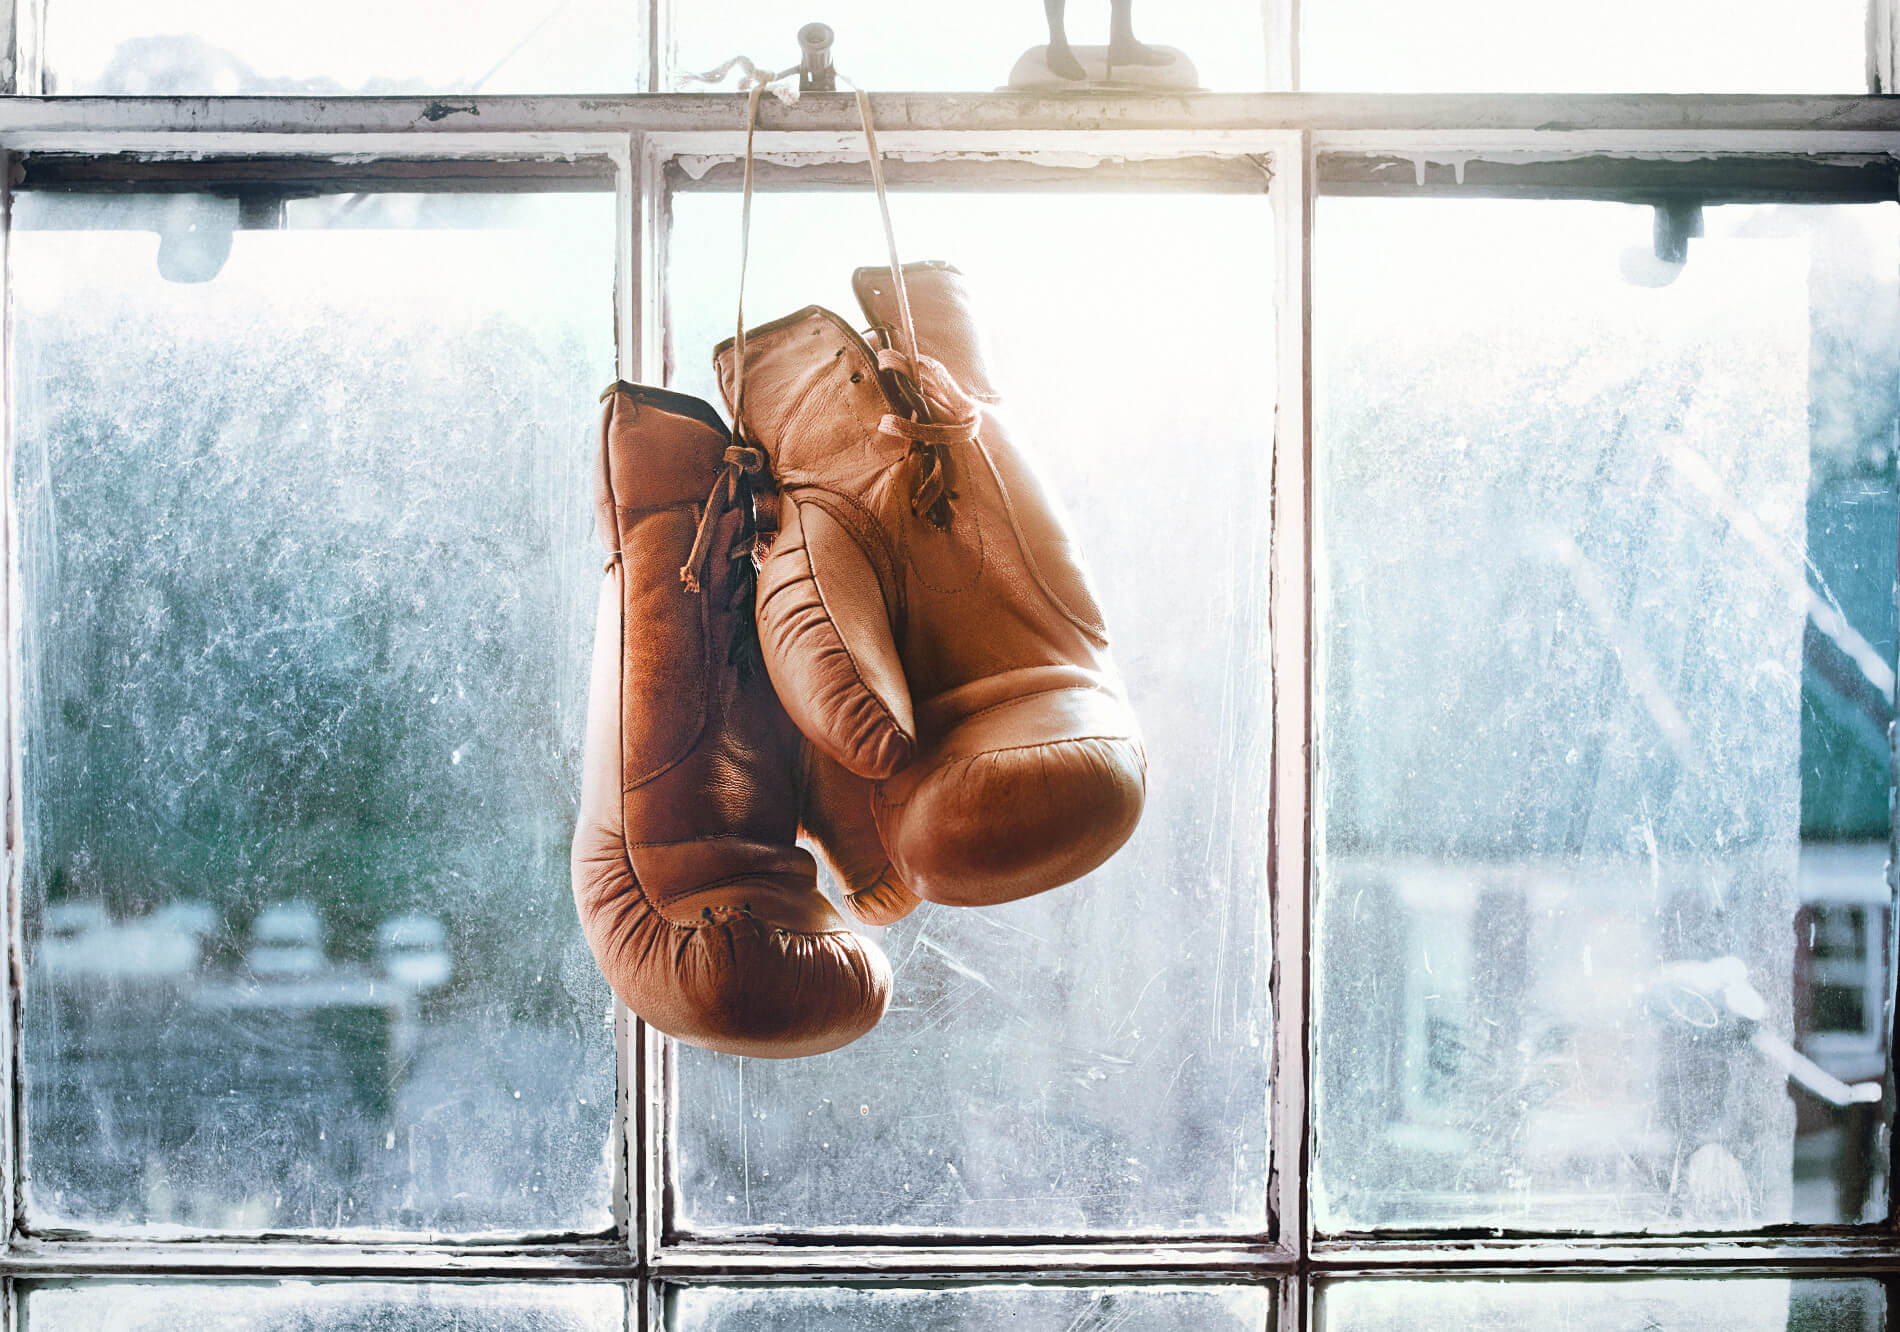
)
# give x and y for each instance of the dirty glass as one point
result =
(944, 46)
(321, 1306)
(1625, 46)
(157, 47)
(1744, 1304)
(1094, 1058)
(1028, 1308)
(307, 581)
(1605, 645)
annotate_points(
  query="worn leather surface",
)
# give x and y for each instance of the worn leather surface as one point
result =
(964, 665)
(703, 913)
(947, 327)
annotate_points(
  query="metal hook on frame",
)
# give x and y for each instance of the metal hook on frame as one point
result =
(816, 73)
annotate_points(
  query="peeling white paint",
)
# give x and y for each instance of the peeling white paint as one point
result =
(1421, 157)
(698, 165)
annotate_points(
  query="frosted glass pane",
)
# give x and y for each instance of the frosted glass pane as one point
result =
(962, 47)
(1606, 642)
(1699, 1305)
(307, 586)
(1027, 1308)
(311, 1306)
(1636, 46)
(1094, 1058)
(152, 47)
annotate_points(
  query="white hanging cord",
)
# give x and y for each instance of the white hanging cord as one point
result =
(756, 85)
(750, 76)
(884, 209)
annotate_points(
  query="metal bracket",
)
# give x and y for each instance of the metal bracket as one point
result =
(816, 73)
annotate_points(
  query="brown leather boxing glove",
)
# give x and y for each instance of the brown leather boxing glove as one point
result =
(703, 914)
(923, 610)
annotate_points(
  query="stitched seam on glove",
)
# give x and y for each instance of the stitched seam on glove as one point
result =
(1040, 744)
(879, 800)
(647, 897)
(695, 924)
(698, 678)
(681, 841)
(845, 648)
(1097, 632)
(966, 521)
(1034, 693)
(864, 527)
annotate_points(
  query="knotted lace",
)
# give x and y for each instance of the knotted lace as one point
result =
(742, 461)
(954, 419)
(948, 416)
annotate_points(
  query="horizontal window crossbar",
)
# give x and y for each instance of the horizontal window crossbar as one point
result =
(765, 1263)
(1054, 1262)
(1870, 1251)
(289, 176)
(613, 1261)
(1713, 179)
(36, 122)
(1246, 174)
(62, 1258)
(1720, 179)
(974, 111)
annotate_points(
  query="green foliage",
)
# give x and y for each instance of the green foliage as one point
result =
(308, 605)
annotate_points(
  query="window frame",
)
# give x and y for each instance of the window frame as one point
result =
(1717, 147)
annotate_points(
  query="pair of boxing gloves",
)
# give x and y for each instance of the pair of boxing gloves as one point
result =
(874, 633)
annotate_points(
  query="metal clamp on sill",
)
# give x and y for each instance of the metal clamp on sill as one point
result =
(816, 73)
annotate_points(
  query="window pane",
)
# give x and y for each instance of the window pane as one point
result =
(308, 583)
(1690, 1305)
(971, 46)
(1028, 1308)
(1637, 46)
(1606, 666)
(153, 47)
(1094, 1058)
(321, 1306)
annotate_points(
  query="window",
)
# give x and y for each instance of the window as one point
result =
(1080, 1106)
(298, 730)
(1570, 810)
(1493, 490)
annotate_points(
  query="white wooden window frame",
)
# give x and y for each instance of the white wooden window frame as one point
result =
(1609, 146)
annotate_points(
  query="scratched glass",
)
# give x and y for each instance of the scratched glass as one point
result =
(973, 1309)
(305, 560)
(1631, 46)
(1093, 1059)
(1605, 670)
(321, 1306)
(222, 47)
(1742, 1304)
(975, 45)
